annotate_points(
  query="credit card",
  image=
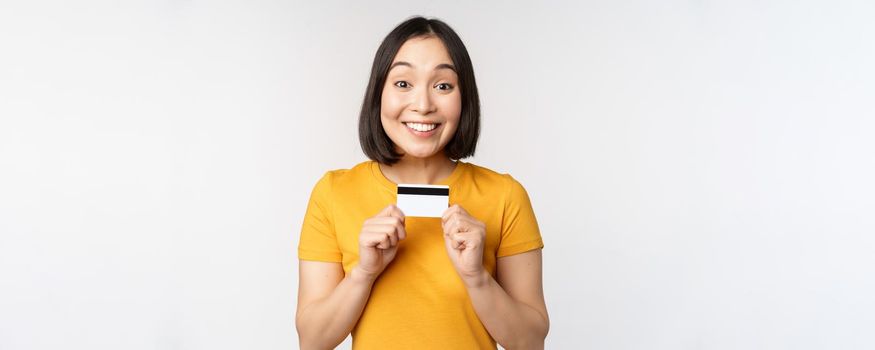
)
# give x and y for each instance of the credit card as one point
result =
(423, 200)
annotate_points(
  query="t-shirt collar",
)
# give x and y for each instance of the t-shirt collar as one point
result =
(449, 180)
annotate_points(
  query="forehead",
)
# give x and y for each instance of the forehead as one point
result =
(423, 52)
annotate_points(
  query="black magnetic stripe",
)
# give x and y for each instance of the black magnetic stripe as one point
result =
(424, 190)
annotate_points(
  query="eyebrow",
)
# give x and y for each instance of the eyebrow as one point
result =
(440, 66)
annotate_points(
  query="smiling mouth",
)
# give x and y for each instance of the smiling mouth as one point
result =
(422, 127)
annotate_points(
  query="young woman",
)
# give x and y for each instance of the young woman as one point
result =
(463, 281)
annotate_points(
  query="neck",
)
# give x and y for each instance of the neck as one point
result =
(414, 170)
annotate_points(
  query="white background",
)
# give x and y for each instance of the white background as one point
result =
(701, 170)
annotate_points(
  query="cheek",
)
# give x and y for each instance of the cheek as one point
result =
(452, 108)
(390, 105)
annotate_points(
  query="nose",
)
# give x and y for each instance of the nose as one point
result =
(422, 102)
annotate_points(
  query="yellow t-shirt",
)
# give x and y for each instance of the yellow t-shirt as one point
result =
(419, 301)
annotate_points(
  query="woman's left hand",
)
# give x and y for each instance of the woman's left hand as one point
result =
(465, 237)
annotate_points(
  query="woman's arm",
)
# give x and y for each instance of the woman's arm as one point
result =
(513, 309)
(329, 304)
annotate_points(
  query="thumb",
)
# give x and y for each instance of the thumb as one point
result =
(387, 211)
(450, 241)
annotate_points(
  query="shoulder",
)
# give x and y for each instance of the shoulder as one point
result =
(496, 180)
(342, 173)
(333, 177)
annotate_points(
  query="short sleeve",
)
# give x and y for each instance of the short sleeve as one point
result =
(519, 227)
(318, 239)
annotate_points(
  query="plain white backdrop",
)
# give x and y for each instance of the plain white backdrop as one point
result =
(701, 170)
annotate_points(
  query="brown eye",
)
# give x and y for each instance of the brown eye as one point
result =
(444, 86)
(402, 84)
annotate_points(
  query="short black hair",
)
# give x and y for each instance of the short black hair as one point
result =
(375, 143)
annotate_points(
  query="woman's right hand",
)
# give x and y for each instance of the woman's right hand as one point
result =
(378, 240)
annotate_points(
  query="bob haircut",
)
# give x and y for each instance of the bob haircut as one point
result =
(374, 141)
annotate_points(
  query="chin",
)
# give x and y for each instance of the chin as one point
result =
(419, 154)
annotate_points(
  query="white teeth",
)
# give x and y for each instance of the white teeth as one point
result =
(421, 127)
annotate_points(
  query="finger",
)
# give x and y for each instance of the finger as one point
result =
(370, 237)
(450, 224)
(389, 230)
(459, 241)
(371, 240)
(455, 209)
(387, 211)
(393, 238)
(445, 226)
(383, 228)
(392, 210)
(387, 220)
(449, 243)
(452, 217)
(450, 239)
(457, 225)
(396, 212)
(401, 230)
(461, 210)
(385, 243)
(449, 212)
(465, 223)
(396, 224)
(467, 241)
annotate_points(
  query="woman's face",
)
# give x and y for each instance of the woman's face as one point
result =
(421, 101)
